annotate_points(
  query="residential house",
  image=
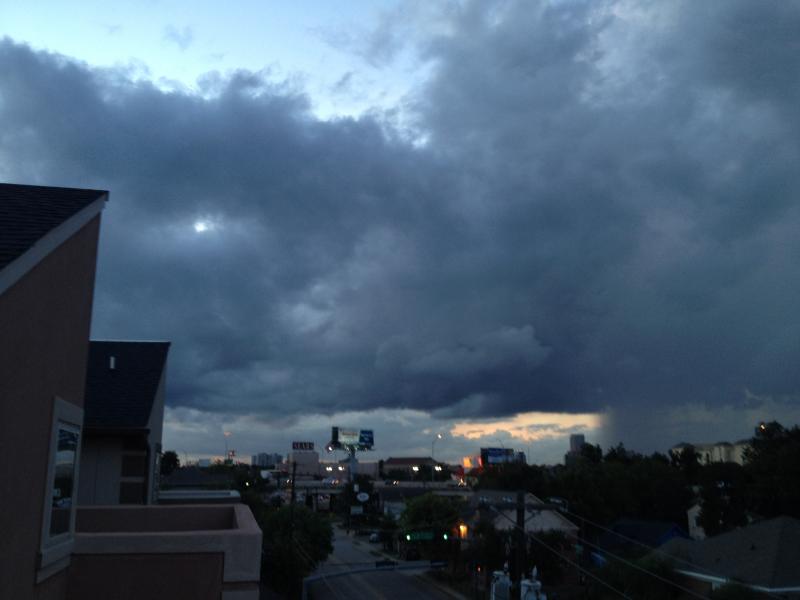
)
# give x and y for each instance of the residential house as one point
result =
(50, 548)
(48, 251)
(632, 536)
(124, 412)
(763, 556)
(719, 452)
(496, 507)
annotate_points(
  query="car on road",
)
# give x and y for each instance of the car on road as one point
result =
(374, 537)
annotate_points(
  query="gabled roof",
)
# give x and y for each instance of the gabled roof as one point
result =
(504, 518)
(29, 212)
(649, 533)
(766, 553)
(122, 396)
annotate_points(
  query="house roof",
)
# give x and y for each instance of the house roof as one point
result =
(122, 396)
(29, 212)
(504, 518)
(649, 533)
(765, 553)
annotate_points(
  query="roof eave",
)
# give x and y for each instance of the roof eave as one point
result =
(16, 269)
(114, 430)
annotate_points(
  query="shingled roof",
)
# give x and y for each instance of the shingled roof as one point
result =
(29, 212)
(766, 553)
(122, 396)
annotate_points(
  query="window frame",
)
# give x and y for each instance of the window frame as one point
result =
(55, 550)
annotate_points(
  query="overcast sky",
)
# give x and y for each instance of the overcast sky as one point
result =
(503, 221)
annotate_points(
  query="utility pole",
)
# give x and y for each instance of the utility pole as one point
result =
(291, 502)
(519, 572)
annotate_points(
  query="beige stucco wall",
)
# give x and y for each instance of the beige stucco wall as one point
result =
(44, 341)
(115, 544)
(152, 576)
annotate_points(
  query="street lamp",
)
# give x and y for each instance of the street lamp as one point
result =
(227, 434)
(433, 444)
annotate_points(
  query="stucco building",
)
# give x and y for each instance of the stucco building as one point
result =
(50, 548)
(48, 251)
(124, 413)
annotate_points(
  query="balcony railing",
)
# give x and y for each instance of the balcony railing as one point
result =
(165, 552)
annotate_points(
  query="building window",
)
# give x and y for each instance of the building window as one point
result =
(66, 460)
(58, 520)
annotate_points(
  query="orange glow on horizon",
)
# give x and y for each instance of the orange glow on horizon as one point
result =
(529, 427)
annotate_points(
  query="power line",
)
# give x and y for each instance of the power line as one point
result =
(581, 569)
(653, 549)
(304, 554)
(643, 570)
(565, 559)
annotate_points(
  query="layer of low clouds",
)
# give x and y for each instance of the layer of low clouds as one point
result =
(592, 207)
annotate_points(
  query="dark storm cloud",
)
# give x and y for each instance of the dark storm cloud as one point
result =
(604, 213)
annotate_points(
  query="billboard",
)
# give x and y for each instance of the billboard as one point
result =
(360, 439)
(302, 445)
(366, 438)
(494, 456)
(348, 437)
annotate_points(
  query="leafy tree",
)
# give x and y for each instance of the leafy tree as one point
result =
(551, 567)
(688, 461)
(773, 463)
(439, 513)
(622, 455)
(514, 476)
(592, 453)
(488, 549)
(169, 462)
(295, 541)
(723, 497)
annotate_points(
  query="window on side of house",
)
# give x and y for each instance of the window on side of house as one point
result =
(63, 484)
(61, 491)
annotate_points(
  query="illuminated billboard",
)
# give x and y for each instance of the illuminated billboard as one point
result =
(360, 439)
(494, 456)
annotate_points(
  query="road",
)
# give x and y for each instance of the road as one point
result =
(349, 553)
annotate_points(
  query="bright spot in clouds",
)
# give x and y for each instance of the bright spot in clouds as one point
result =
(531, 426)
(201, 226)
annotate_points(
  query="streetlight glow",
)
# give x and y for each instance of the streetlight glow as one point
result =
(433, 446)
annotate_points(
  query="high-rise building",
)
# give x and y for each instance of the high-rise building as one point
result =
(266, 459)
(576, 442)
